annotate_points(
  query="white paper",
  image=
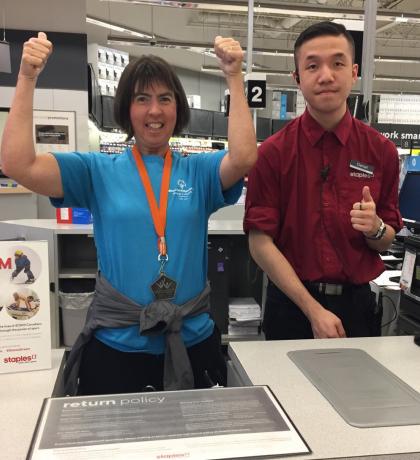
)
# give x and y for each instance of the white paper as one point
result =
(407, 270)
(384, 278)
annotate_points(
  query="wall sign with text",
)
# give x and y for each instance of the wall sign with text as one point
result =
(54, 131)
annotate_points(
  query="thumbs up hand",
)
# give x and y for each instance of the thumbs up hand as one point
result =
(363, 215)
(35, 55)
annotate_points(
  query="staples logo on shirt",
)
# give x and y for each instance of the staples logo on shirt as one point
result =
(182, 191)
(360, 175)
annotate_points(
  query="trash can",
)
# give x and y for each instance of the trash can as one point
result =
(74, 307)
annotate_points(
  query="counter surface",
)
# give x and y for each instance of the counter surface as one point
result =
(216, 226)
(327, 434)
(21, 397)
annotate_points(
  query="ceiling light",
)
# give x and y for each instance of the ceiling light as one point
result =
(201, 47)
(309, 11)
(282, 9)
(207, 48)
(116, 27)
(395, 78)
(208, 68)
(160, 43)
(351, 24)
(408, 60)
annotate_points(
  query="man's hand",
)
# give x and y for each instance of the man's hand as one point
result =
(230, 55)
(326, 325)
(363, 215)
(34, 56)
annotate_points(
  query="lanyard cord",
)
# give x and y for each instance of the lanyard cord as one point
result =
(158, 213)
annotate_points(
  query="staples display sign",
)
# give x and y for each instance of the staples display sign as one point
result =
(25, 333)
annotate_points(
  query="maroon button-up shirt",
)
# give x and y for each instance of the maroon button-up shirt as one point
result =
(302, 188)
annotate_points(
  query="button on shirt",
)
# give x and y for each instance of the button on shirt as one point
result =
(302, 189)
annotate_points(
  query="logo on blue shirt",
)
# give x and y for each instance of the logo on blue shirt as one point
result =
(182, 191)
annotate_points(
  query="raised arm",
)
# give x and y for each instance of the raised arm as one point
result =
(241, 133)
(39, 173)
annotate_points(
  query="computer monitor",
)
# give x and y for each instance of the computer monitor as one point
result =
(201, 123)
(277, 125)
(263, 128)
(220, 125)
(409, 198)
(108, 121)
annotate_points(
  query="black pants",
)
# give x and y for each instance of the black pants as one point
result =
(104, 370)
(356, 307)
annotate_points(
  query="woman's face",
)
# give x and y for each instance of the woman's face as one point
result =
(153, 118)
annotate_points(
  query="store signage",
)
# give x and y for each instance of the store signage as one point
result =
(400, 134)
(256, 90)
(222, 423)
(25, 333)
(5, 65)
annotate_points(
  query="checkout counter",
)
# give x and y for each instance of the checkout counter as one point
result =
(254, 363)
(21, 397)
(325, 431)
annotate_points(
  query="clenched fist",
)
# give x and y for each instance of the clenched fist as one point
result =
(230, 55)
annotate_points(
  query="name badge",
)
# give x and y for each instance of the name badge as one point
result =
(362, 167)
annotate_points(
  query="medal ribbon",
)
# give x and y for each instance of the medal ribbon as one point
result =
(158, 213)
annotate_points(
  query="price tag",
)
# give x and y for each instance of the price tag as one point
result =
(407, 270)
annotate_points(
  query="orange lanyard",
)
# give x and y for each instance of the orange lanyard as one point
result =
(158, 214)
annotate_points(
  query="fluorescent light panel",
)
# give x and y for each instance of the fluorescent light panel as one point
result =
(208, 68)
(207, 48)
(309, 11)
(116, 27)
(395, 78)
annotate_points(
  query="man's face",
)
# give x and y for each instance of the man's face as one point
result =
(326, 74)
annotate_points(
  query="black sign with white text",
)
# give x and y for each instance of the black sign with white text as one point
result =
(256, 93)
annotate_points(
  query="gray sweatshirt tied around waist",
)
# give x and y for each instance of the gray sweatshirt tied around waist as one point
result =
(110, 308)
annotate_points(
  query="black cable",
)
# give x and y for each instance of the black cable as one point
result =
(394, 307)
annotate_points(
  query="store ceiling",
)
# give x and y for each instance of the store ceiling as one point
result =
(275, 28)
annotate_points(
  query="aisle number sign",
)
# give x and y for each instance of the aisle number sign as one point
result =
(256, 90)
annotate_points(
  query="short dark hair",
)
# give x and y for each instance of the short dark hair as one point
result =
(321, 29)
(143, 73)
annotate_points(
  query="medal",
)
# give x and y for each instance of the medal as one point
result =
(163, 288)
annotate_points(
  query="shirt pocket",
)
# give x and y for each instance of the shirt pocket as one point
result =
(350, 191)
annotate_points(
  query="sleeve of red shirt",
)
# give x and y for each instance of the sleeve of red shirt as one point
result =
(387, 206)
(261, 204)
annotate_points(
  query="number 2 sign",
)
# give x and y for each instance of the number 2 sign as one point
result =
(256, 90)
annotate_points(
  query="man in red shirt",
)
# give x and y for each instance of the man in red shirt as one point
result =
(322, 202)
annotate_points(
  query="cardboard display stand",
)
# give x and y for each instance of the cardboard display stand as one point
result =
(25, 333)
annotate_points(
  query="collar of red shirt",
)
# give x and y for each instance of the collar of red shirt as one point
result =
(314, 131)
